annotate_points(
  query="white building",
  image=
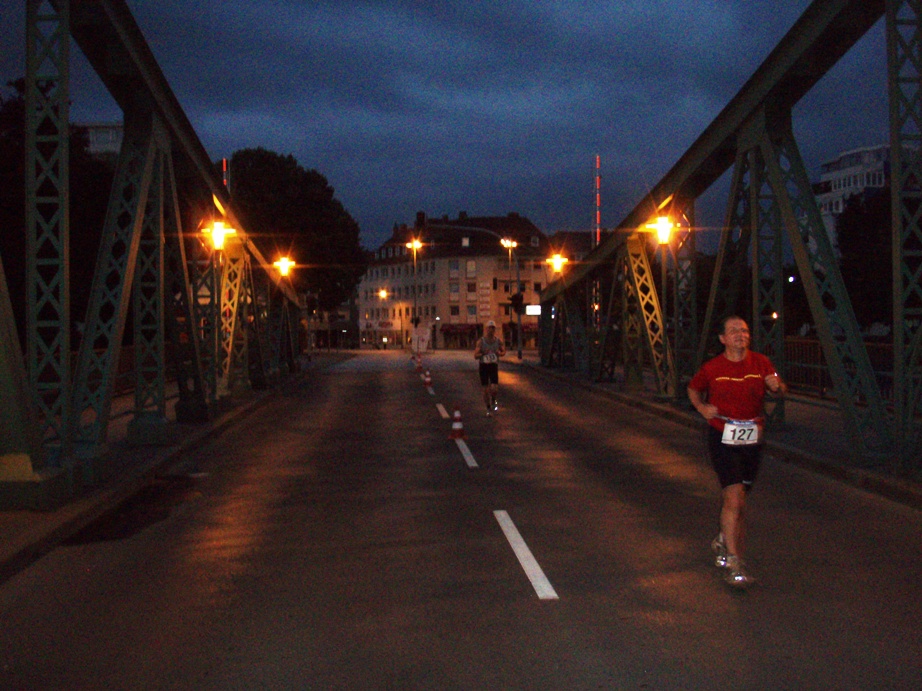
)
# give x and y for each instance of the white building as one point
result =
(464, 278)
(852, 172)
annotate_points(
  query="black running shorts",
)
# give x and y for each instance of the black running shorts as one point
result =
(489, 373)
(734, 464)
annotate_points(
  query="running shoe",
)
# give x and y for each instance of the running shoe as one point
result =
(720, 551)
(737, 576)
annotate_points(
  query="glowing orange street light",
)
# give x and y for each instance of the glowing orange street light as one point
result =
(557, 261)
(218, 233)
(382, 294)
(663, 228)
(284, 265)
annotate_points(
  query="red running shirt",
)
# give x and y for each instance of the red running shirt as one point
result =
(736, 388)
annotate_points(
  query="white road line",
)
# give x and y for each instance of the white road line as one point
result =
(442, 411)
(538, 580)
(466, 452)
(430, 390)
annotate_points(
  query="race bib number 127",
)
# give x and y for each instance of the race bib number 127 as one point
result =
(740, 432)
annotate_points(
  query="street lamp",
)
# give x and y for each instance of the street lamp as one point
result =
(557, 261)
(510, 245)
(415, 245)
(284, 265)
(663, 229)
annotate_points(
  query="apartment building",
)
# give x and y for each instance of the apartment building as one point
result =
(464, 276)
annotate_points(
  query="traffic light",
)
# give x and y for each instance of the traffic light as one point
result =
(518, 303)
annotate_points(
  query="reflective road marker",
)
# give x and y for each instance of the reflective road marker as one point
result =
(538, 580)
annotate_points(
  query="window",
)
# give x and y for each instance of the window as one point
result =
(471, 267)
(537, 287)
(535, 241)
(454, 291)
(454, 310)
(471, 288)
(472, 310)
(465, 242)
(454, 266)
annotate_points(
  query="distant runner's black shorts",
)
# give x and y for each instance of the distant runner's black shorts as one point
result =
(489, 373)
(734, 464)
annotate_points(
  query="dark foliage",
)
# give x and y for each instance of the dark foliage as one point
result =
(291, 211)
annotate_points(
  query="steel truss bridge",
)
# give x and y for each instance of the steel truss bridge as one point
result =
(215, 320)
(231, 319)
(605, 312)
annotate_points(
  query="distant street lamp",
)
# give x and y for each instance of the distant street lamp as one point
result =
(284, 265)
(663, 228)
(557, 261)
(415, 245)
(510, 245)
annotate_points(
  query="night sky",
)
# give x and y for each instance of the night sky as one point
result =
(483, 107)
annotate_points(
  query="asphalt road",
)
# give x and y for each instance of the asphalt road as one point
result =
(338, 539)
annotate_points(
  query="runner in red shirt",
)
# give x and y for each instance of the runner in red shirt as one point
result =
(728, 391)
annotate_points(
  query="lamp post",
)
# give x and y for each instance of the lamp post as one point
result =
(382, 295)
(415, 245)
(217, 234)
(510, 245)
(663, 228)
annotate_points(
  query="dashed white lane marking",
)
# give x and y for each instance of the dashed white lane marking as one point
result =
(466, 452)
(539, 581)
(442, 411)
(430, 390)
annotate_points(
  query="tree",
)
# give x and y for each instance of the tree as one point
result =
(292, 211)
(864, 237)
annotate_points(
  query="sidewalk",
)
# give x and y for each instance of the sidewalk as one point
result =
(812, 436)
(26, 535)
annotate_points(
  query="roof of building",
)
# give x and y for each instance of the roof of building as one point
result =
(466, 236)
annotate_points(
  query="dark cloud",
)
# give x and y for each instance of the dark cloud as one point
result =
(487, 107)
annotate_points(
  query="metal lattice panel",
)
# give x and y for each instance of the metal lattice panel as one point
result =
(686, 302)
(904, 64)
(101, 346)
(180, 320)
(731, 267)
(147, 287)
(654, 332)
(206, 312)
(768, 276)
(47, 215)
(847, 358)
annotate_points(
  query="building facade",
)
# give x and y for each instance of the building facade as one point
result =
(462, 278)
(852, 172)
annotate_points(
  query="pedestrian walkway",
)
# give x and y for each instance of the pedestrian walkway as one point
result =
(812, 437)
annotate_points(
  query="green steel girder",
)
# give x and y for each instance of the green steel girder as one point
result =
(867, 426)
(47, 219)
(180, 321)
(767, 277)
(648, 308)
(101, 346)
(18, 433)
(731, 265)
(610, 333)
(254, 322)
(632, 325)
(233, 333)
(205, 269)
(147, 290)
(685, 292)
(904, 67)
